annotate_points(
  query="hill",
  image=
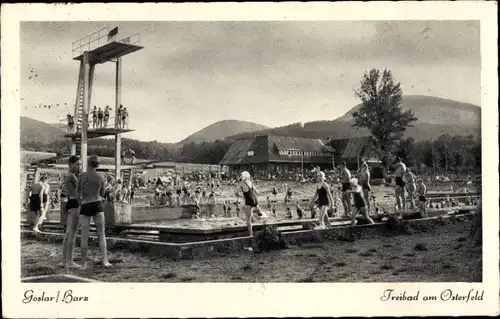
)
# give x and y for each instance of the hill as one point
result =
(35, 132)
(436, 116)
(434, 110)
(223, 129)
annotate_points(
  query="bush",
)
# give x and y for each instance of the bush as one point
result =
(270, 239)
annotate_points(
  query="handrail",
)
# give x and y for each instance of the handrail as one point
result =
(98, 39)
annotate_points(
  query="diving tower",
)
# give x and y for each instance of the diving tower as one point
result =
(99, 47)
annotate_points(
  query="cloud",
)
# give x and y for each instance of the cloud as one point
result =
(191, 74)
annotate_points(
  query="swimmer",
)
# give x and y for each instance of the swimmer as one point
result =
(91, 191)
(250, 196)
(119, 116)
(346, 196)
(71, 123)
(365, 185)
(400, 169)
(411, 188)
(300, 211)
(106, 115)
(94, 117)
(124, 117)
(211, 205)
(359, 202)
(422, 199)
(36, 202)
(70, 190)
(100, 116)
(323, 199)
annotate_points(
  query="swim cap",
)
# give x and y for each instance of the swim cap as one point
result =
(245, 175)
(321, 175)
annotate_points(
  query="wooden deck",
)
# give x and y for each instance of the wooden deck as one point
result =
(109, 51)
(99, 132)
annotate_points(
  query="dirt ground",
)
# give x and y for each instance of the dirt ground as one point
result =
(441, 255)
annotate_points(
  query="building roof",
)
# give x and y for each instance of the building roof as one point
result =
(265, 148)
(355, 147)
(349, 149)
(299, 143)
(237, 151)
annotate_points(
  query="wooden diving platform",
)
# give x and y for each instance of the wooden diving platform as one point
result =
(109, 51)
(99, 132)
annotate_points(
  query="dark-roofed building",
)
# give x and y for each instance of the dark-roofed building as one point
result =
(268, 154)
(353, 151)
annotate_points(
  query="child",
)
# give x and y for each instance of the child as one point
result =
(359, 202)
(288, 213)
(273, 209)
(422, 192)
(228, 210)
(224, 208)
(268, 203)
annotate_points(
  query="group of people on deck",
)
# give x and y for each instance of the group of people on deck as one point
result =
(100, 118)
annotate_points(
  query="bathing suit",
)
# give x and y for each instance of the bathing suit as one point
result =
(400, 182)
(45, 198)
(250, 197)
(322, 196)
(71, 204)
(91, 209)
(94, 114)
(35, 202)
(358, 201)
(275, 191)
(178, 191)
(345, 187)
(422, 198)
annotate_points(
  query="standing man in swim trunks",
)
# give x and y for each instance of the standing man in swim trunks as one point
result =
(36, 202)
(322, 199)
(359, 202)
(91, 190)
(250, 197)
(345, 177)
(365, 185)
(399, 171)
(70, 190)
(411, 188)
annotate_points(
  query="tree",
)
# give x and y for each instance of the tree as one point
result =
(380, 110)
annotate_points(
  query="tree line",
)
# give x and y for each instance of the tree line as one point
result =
(202, 153)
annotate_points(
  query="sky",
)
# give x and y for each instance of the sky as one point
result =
(192, 74)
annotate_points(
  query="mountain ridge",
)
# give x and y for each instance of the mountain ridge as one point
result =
(436, 116)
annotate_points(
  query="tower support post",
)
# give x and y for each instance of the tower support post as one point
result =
(73, 146)
(85, 110)
(118, 102)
